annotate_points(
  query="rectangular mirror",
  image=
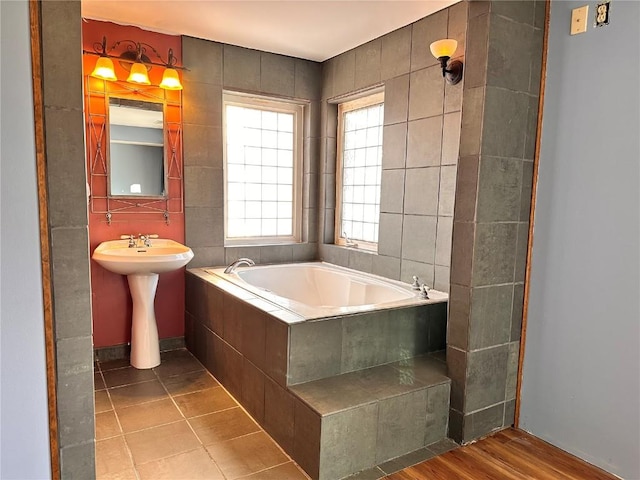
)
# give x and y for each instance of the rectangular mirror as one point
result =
(136, 148)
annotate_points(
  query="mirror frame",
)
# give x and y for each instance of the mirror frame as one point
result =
(152, 100)
(117, 208)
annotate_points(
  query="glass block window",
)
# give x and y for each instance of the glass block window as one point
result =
(359, 171)
(262, 170)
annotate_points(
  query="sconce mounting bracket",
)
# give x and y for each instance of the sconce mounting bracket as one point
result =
(453, 72)
(130, 57)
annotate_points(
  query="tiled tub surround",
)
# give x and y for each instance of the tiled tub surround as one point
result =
(355, 383)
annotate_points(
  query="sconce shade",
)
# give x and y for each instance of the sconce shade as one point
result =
(171, 80)
(104, 69)
(139, 74)
(444, 48)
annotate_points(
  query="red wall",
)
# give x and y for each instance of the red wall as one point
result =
(110, 292)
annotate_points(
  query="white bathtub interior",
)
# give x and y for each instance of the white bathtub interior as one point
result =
(319, 289)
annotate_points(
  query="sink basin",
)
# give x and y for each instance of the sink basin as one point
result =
(162, 256)
(142, 266)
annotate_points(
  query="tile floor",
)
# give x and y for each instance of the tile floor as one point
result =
(176, 422)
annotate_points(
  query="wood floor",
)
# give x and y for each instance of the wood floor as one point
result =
(509, 454)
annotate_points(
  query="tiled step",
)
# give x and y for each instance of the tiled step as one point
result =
(357, 420)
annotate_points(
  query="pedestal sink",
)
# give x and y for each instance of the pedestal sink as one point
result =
(142, 265)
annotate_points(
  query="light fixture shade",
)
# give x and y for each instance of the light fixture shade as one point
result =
(444, 48)
(171, 80)
(139, 74)
(104, 69)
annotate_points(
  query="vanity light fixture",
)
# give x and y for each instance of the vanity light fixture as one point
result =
(135, 60)
(104, 66)
(104, 69)
(170, 77)
(443, 50)
(138, 74)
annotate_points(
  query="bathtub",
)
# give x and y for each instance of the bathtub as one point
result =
(319, 290)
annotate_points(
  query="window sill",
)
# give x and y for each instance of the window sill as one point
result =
(245, 244)
(358, 248)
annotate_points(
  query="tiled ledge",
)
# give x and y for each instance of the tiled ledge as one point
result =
(376, 415)
(350, 390)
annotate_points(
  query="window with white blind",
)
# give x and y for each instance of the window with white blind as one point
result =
(262, 170)
(359, 171)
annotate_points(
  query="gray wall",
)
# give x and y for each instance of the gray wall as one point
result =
(420, 153)
(24, 450)
(490, 228)
(69, 235)
(581, 381)
(213, 67)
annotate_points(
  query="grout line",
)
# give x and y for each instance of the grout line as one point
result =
(172, 455)
(211, 413)
(184, 418)
(264, 470)
(261, 429)
(115, 387)
(193, 392)
(202, 445)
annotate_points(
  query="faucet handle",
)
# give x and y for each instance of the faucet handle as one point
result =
(153, 235)
(146, 239)
(416, 283)
(424, 291)
(131, 238)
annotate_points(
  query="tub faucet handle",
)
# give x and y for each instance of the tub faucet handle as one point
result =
(416, 283)
(348, 242)
(424, 291)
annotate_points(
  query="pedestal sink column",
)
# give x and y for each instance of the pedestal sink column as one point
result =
(145, 347)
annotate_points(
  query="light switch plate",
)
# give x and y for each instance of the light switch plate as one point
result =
(579, 20)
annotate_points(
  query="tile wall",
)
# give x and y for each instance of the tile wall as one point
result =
(67, 198)
(213, 67)
(353, 342)
(420, 153)
(492, 204)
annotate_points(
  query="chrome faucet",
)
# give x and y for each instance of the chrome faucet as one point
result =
(131, 238)
(141, 241)
(146, 239)
(348, 242)
(237, 263)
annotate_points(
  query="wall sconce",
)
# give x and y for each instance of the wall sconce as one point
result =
(136, 61)
(443, 50)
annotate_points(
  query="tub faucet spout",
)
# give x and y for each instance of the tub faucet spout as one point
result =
(237, 263)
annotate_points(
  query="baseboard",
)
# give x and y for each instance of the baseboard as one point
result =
(117, 352)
